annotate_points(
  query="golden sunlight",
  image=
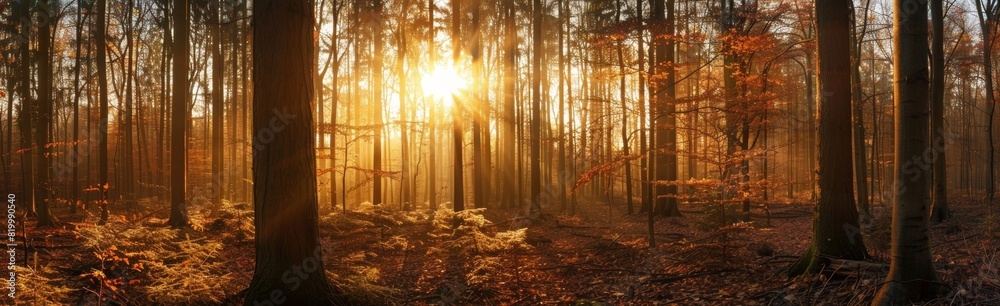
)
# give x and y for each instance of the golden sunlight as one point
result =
(442, 83)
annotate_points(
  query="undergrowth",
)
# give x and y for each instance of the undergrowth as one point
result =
(133, 264)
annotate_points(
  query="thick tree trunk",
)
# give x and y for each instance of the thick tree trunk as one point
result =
(179, 116)
(835, 225)
(284, 168)
(508, 197)
(536, 112)
(665, 119)
(911, 276)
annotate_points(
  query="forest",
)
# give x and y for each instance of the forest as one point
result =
(508, 152)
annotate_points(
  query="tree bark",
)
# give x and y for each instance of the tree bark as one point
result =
(458, 191)
(218, 71)
(911, 276)
(102, 84)
(939, 203)
(377, 103)
(508, 166)
(43, 120)
(536, 112)
(179, 115)
(476, 107)
(284, 169)
(835, 224)
(665, 119)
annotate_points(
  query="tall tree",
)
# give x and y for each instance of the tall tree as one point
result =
(561, 174)
(857, 105)
(286, 207)
(179, 115)
(128, 183)
(335, 56)
(75, 185)
(664, 118)
(377, 107)
(507, 158)
(458, 190)
(218, 72)
(536, 112)
(911, 274)
(643, 135)
(433, 122)
(404, 141)
(102, 85)
(479, 182)
(988, 12)
(43, 188)
(620, 48)
(939, 204)
(835, 223)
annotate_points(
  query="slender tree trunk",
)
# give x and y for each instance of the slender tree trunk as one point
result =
(128, 184)
(911, 274)
(835, 224)
(988, 13)
(643, 163)
(939, 203)
(377, 108)
(335, 99)
(432, 196)
(43, 120)
(102, 84)
(75, 155)
(562, 173)
(403, 114)
(218, 71)
(857, 106)
(625, 113)
(458, 190)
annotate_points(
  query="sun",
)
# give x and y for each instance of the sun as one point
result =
(443, 82)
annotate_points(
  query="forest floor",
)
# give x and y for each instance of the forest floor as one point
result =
(598, 256)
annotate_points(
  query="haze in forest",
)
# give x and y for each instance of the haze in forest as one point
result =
(346, 152)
